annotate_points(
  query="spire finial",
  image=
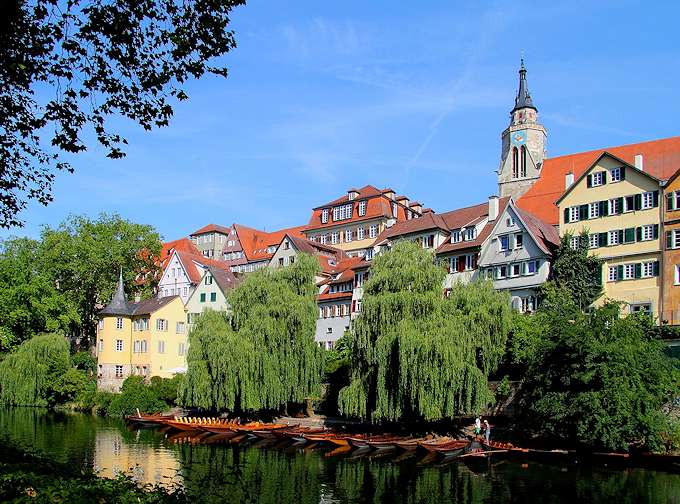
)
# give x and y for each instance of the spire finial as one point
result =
(523, 99)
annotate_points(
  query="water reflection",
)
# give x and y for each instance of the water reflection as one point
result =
(214, 469)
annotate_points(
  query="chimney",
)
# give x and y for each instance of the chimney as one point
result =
(569, 180)
(639, 162)
(493, 207)
(416, 207)
(403, 200)
(388, 192)
(352, 193)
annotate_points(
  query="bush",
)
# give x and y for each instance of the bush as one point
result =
(85, 362)
(166, 388)
(102, 402)
(135, 395)
(68, 386)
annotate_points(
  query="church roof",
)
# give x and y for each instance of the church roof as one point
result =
(523, 99)
(119, 304)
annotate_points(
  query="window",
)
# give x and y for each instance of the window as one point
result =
(597, 179)
(291, 259)
(202, 297)
(574, 242)
(213, 297)
(100, 324)
(613, 237)
(647, 233)
(515, 163)
(324, 216)
(135, 346)
(286, 245)
(428, 241)
(119, 345)
(573, 214)
(673, 239)
(628, 203)
(142, 346)
(519, 240)
(523, 170)
(182, 349)
(503, 243)
(594, 210)
(208, 279)
(100, 347)
(628, 271)
(142, 324)
(676, 278)
(348, 235)
(186, 291)
(280, 261)
(369, 254)
(470, 262)
(615, 174)
(514, 270)
(641, 308)
(614, 206)
(119, 323)
(362, 208)
(455, 236)
(453, 264)
(119, 371)
(342, 212)
(161, 346)
(501, 272)
(335, 237)
(395, 210)
(647, 270)
(528, 304)
(323, 239)
(320, 312)
(360, 233)
(179, 328)
(373, 231)
(613, 275)
(161, 325)
(530, 267)
(594, 240)
(510, 221)
(647, 200)
(470, 233)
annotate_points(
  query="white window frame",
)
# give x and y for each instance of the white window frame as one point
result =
(615, 175)
(119, 323)
(574, 242)
(118, 371)
(456, 236)
(521, 240)
(470, 233)
(362, 208)
(501, 246)
(323, 239)
(348, 235)
(100, 347)
(676, 277)
(574, 214)
(597, 179)
(453, 264)
(613, 274)
(335, 237)
(613, 207)
(594, 240)
(395, 210)
(613, 237)
(469, 258)
(647, 269)
(512, 269)
(629, 271)
(324, 216)
(594, 210)
(119, 345)
(161, 346)
(360, 233)
(647, 201)
(647, 232)
(373, 231)
(180, 328)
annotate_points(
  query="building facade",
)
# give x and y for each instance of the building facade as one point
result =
(248, 249)
(353, 222)
(210, 240)
(670, 275)
(617, 205)
(211, 292)
(147, 339)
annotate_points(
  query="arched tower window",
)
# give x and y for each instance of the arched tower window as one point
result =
(523, 171)
(515, 163)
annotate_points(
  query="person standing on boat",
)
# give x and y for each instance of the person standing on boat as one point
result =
(487, 430)
(478, 426)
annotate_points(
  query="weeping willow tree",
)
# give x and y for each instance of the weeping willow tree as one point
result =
(416, 354)
(28, 375)
(262, 356)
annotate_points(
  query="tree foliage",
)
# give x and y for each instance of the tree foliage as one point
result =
(30, 302)
(263, 355)
(28, 375)
(67, 68)
(578, 271)
(416, 354)
(596, 378)
(135, 395)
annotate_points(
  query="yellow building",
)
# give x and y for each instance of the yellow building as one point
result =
(148, 338)
(618, 205)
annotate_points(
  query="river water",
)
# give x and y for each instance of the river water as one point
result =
(220, 472)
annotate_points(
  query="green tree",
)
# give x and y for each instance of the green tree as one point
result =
(416, 354)
(596, 378)
(135, 395)
(578, 271)
(83, 258)
(263, 356)
(30, 303)
(98, 59)
(28, 375)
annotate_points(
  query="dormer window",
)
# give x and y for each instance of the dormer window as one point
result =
(342, 212)
(455, 236)
(362, 208)
(324, 216)
(395, 209)
(352, 194)
(470, 233)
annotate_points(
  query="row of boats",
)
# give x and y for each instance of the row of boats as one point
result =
(445, 446)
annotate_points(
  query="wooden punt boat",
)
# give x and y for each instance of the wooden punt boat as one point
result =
(496, 445)
(148, 420)
(385, 444)
(268, 433)
(451, 449)
(193, 423)
(411, 444)
(430, 445)
(363, 441)
(262, 427)
(298, 433)
(327, 437)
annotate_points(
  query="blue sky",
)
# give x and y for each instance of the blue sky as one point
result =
(324, 96)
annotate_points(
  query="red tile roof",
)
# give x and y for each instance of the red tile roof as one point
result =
(546, 235)
(367, 191)
(326, 296)
(661, 158)
(255, 242)
(462, 217)
(328, 256)
(211, 228)
(183, 244)
(428, 221)
(190, 261)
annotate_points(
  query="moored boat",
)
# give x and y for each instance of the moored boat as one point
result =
(452, 448)
(431, 444)
(362, 441)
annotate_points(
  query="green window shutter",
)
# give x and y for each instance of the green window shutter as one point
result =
(629, 235)
(638, 270)
(638, 201)
(623, 173)
(638, 233)
(630, 203)
(620, 205)
(602, 240)
(583, 212)
(656, 231)
(604, 177)
(620, 232)
(655, 199)
(213, 296)
(589, 181)
(656, 268)
(566, 215)
(619, 272)
(603, 208)
(203, 297)
(669, 202)
(669, 240)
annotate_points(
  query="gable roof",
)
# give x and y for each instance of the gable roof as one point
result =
(428, 220)
(151, 305)
(368, 191)
(661, 159)
(467, 216)
(328, 256)
(255, 242)
(211, 228)
(546, 236)
(225, 280)
(191, 263)
(183, 244)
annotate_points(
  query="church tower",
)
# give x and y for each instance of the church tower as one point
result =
(523, 144)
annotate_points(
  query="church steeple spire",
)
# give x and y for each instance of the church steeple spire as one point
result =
(523, 99)
(119, 304)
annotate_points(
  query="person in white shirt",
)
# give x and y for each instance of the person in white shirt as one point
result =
(478, 426)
